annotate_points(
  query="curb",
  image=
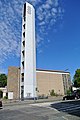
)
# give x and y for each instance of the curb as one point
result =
(30, 102)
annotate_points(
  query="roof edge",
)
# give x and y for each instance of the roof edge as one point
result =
(60, 71)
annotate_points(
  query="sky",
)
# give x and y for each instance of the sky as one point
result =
(57, 34)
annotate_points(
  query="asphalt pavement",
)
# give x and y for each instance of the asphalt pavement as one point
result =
(71, 107)
(58, 110)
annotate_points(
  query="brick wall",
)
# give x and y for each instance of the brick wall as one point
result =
(13, 81)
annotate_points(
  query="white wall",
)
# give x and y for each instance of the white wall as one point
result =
(30, 55)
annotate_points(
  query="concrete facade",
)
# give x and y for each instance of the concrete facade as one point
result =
(47, 80)
(28, 53)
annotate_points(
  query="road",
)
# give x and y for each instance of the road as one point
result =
(70, 107)
(42, 111)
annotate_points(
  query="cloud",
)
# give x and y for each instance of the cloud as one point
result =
(39, 40)
(48, 11)
(48, 14)
(10, 23)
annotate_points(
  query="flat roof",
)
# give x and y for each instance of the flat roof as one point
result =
(60, 71)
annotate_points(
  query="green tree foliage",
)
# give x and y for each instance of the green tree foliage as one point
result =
(52, 93)
(76, 78)
(68, 92)
(1, 94)
(3, 80)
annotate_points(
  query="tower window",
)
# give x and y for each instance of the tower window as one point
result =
(24, 26)
(24, 34)
(23, 53)
(23, 64)
(24, 43)
(22, 77)
(24, 14)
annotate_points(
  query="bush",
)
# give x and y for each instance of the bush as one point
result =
(52, 93)
(69, 92)
(1, 94)
(5, 97)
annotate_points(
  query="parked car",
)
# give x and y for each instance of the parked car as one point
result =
(71, 96)
(0, 104)
(77, 92)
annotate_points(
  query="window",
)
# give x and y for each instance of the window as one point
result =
(24, 43)
(22, 92)
(24, 34)
(22, 77)
(24, 26)
(23, 64)
(22, 87)
(24, 13)
(23, 53)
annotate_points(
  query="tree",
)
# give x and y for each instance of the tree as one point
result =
(76, 78)
(3, 80)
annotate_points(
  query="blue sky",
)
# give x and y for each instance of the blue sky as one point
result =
(57, 34)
